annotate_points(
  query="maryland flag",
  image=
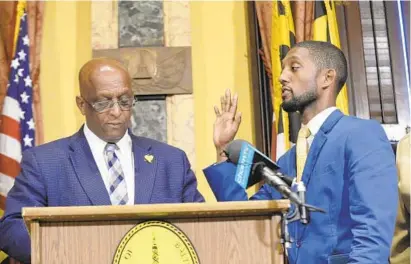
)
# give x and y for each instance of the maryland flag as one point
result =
(285, 125)
(325, 28)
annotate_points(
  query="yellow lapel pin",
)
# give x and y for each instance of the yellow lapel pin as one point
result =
(149, 158)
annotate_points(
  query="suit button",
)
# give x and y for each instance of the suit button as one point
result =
(298, 244)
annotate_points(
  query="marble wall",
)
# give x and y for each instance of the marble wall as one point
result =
(177, 28)
(104, 25)
(150, 119)
(141, 23)
(180, 108)
(151, 23)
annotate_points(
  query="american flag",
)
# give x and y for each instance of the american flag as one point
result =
(17, 128)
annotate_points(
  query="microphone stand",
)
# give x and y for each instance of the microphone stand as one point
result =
(300, 189)
(303, 208)
(285, 238)
(301, 213)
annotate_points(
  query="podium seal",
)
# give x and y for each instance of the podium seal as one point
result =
(155, 242)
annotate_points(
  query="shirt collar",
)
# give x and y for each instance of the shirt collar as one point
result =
(97, 143)
(315, 124)
(124, 144)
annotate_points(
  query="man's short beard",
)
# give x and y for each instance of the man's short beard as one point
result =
(299, 103)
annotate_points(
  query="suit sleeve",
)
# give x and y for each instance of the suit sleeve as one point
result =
(28, 191)
(373, 194)
(221, 178)
(190, 190)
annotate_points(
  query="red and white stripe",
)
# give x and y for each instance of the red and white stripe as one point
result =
(10, 146)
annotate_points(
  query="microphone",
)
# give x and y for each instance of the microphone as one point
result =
(272, 179)
(243, 154)
(252, 166)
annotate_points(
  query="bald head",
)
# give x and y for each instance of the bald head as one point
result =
(105, 98)
(95, 68)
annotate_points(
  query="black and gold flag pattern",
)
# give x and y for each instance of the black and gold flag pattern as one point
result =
(283, 38)
(325, 28)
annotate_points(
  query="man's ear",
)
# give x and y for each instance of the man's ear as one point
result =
(328, 78)
(81, 104)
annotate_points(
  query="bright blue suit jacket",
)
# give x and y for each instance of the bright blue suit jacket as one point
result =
(350, 172)
(64, 173)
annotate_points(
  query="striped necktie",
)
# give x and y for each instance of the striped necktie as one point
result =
(118, 188)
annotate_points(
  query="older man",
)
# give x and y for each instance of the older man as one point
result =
(102, 164)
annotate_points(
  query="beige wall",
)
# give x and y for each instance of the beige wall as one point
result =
(218, 36)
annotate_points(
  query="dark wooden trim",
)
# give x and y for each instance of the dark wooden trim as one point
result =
(154, 97)
(385, 91)
(356, 59)
(260, 83)
(397, 63)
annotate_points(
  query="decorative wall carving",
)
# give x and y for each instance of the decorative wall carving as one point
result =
(155, 70)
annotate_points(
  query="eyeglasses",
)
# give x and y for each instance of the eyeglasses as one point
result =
(125, 104)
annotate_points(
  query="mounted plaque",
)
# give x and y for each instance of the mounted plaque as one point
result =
(165, 70)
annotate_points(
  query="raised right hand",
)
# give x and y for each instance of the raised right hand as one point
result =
(227, 121)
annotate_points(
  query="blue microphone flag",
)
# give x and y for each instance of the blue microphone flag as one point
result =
(245, 162)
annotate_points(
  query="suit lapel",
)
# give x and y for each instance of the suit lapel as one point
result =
(315, 149)
(145, 170)
(87, 171)
(319, 140)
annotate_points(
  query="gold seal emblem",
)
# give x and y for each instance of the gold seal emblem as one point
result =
(155, 242)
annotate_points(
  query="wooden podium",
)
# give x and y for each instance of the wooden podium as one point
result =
(225, 232)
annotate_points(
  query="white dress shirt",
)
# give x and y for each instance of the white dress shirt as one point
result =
(124, 154)
(315, 124)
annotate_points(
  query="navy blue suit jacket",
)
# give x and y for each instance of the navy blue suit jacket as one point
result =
(350, 172)
(64, 173)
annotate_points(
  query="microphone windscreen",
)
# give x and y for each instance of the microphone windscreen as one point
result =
(233, 150)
